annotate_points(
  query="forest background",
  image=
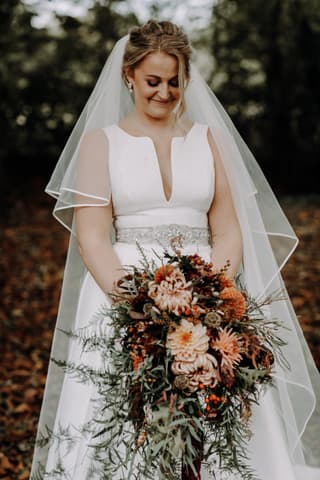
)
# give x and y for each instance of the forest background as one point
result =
(262, 61)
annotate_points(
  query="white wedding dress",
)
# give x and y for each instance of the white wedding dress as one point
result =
(141, 210)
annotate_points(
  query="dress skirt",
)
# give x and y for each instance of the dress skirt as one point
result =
(71, 450)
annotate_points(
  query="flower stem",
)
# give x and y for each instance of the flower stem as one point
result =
(187, 472)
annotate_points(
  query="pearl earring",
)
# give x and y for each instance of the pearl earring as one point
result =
(130, 87)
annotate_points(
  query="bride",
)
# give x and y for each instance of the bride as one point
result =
(152, 155)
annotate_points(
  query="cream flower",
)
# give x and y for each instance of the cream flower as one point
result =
(183, 368)
(173, 293)
(206, 369)
(187, 339)
(185, 356)
(202, 370)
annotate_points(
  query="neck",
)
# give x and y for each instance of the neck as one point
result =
(147, 121)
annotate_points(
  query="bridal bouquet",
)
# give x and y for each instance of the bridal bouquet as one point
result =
(188, 355)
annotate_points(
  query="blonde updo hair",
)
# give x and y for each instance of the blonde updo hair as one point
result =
(163, 37)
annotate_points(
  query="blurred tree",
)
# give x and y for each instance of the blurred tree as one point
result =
(267, 75)
(46, 76)
(16, 68)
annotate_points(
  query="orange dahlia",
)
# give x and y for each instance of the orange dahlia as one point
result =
(228, 345)
(136, 361)
(226, 282)
(234, 303)
(162, 272)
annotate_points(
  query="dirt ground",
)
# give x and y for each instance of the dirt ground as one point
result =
(33, 248)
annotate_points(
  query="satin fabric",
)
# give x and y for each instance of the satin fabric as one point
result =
(142, 203)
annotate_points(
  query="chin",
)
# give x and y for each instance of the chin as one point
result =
(160, 112)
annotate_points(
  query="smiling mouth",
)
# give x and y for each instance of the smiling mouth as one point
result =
(162, 102)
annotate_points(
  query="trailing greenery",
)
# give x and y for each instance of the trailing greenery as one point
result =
(150, 420)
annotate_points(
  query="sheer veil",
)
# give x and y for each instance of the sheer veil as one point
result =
(268, 241)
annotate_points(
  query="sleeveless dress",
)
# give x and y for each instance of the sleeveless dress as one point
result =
(142, 211)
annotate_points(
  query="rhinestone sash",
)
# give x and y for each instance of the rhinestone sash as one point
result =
(163, 234)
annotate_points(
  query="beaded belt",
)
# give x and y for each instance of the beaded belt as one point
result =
(163, 234)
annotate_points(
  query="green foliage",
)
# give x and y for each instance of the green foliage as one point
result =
(266, 73)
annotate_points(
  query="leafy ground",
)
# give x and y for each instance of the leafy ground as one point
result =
(33, 248)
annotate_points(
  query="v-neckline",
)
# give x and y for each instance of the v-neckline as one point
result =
(156, 157)
(167, 200)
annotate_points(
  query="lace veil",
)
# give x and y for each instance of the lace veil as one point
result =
(268, 241)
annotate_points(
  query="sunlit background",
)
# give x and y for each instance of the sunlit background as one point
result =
(188, 14)
(262, 60)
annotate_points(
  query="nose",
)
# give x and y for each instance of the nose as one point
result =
(164, 91)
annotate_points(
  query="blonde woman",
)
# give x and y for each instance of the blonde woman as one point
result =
(154, 155)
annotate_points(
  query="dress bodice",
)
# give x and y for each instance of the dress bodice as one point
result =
(136, 183)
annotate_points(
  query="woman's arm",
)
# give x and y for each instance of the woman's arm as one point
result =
(93, 223)
(223, 221)
(93, 226)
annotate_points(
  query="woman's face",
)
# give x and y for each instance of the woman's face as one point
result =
(156, 85)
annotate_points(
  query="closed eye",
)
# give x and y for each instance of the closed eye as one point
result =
(174, 82)
(152, 83)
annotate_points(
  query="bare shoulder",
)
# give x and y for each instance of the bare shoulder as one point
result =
(128, 123)
(218, 162)
(212, 143)
(186, 123)
(93, 138)
(94, 134)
